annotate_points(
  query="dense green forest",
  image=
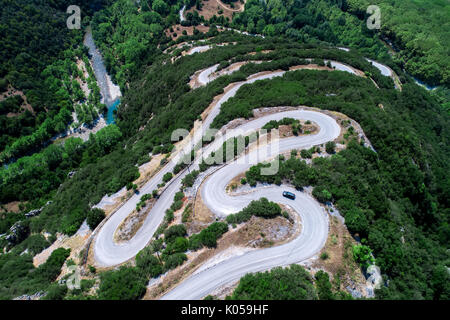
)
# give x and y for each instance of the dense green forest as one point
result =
(419, 29)
(143, 26)
(395, 199)
(39, 55)
(18, 275)
(309, 21)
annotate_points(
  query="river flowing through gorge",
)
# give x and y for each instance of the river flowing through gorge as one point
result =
(110, 92)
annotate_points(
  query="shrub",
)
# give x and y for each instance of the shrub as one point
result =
(169, 215)
(174, 260)
(186, 213)
(322, 194)
(72, 222)
(180, 244)
(70, 262)
(208, 238)
(323, 286)
(144, 159)
(179, 196)
(146, 197)
(218, 228)
(195, 242)
(330, 146)
(34, 243)
(173, 232)
(167, 177)
(324, 256)
(292, 283)
(52, 267)
(123, 284)
(94, 217)
(189, 179)
(176, 205)
(305, 154)
(92, 269)
(148, 263)
(363, 255)
(86, 284)
(260, 208)
(55, 292)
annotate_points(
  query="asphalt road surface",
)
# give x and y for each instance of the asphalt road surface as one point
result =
(109, 253)
(314, 220)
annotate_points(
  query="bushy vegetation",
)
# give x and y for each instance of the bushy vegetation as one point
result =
(291, 283)
(148, 263)
(178, 230)
(123, 284)
(94, 217)
(325, 290)
(273, 124)
(363, 255)
(55, 292)
(34, 244)
(18, 276)
(189, 179)
(174, 260)
(259, 208)
(208, 236)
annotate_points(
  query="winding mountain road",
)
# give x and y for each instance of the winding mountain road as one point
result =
(308, 243)
(314, 219)
(109, 253)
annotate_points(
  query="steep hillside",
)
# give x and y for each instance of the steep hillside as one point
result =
(388, 178)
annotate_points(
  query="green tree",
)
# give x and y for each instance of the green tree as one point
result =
(148, 263)
(94, 217)
(440, 282)
(123, 284)
(330, 147)
(174, 260)
(291, 283)
(180, 244)
(322, 194)
(363, 255)
(167, 177)
(160, 6)
(323, 286)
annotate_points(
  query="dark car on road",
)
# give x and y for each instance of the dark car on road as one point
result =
(289, 195)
